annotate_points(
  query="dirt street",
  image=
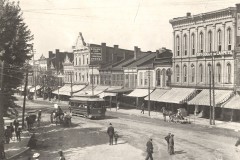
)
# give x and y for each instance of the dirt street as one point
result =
(87, 139)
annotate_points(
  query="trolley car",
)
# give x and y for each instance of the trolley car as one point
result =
(89, 107)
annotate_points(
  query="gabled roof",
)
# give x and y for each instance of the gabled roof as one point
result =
(80, 43)
(141, 60)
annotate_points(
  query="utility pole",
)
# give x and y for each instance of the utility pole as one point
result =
(210, 96)
(92, 81)
(213, 85)
(1, 112)
(71, 84)
(24, 99)
(149, 108)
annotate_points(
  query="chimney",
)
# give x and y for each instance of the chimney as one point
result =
(103, 44)
(115, 46)
(135, 52)
(238, 7)
(57, 50)
(188, 14)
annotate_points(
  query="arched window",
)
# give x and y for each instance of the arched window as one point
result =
(219, 73)
(185, 44)
(76, 76)
(83, 59)
(219, 40)
(178, 73)
(184, 73)
(201, 73)
(193, 43)
(79, 61)
(193, 73)
(209, 73)
(76, 61)
(158, 77)
(210, 41)
(229, 38)
(163, 77)
(229, 70)
(178, 45)
(201, 41)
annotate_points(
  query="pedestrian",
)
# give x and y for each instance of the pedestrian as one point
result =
(110, 132)
(12, 130)
(167, 139)
(61, 155)
(39, 117)
(18, 134)
(171, 145)
(116, 137)
(16, 125)
(149, 149)
(7, 134)
(142, 108)
(118, 105)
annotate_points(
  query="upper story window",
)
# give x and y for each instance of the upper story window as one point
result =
(184, 73)
(229, 70)
(209, 75)
(201, 41)
(158, 77)
(178, 45)
(210, 41)
(219, 40)
(218, 73)
(141, 78)
(185, 44)
(193, 43)
(79, 61)
(178, 73)
(83, 59)
(229, 38)
(76, 61)
(193, 73)
(201, 73)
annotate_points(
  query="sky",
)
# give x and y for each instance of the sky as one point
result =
(56, 24)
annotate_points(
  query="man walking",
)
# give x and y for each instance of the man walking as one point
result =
(167, 139)
(110, 132)
(142, 108)
(149, 149)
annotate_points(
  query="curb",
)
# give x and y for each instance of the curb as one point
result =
(18, 154)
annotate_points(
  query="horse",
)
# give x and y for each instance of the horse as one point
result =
(56, 116)
(170, 114)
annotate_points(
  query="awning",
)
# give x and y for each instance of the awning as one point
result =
(33, 88)
(203, 97)
(156, 94)
(108, 92)
(97, 90)
(177, 95)
(84, 91)
(233, 103)
(139, 93)
(66, 89)
(123, 90)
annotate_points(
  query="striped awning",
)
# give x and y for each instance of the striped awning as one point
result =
(203, 97)
(177, 95)
(156, 94)
(139, 93)
(233, 103)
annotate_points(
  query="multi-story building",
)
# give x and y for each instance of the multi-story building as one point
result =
(88, 58)
(204, 53)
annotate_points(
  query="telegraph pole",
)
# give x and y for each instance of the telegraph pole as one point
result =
(24, 99)
(1, 111)
(213, 107)
(210, 97)
(71, 84)
(92, 81)
(149, 108)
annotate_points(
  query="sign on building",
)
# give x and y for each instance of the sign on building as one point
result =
(95, 55)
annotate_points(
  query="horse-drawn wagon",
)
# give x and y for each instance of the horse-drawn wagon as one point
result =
(179, 117)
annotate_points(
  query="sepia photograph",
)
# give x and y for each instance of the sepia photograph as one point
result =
(119, 79)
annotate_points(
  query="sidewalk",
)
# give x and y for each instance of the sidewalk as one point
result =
(15, 148)
(193, 119)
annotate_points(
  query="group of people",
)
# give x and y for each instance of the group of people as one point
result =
(13, 128)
